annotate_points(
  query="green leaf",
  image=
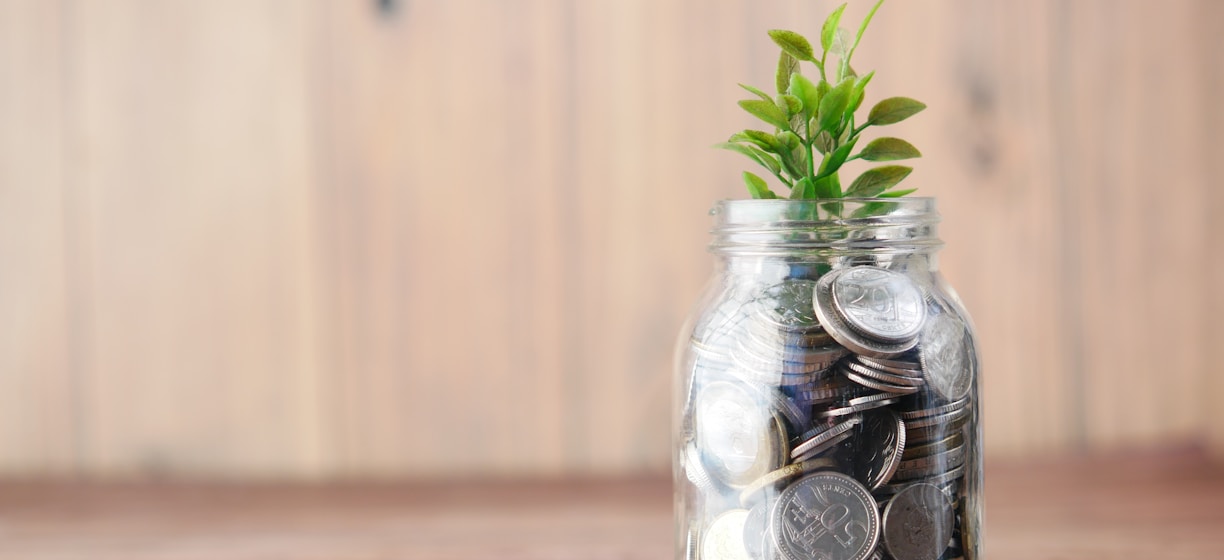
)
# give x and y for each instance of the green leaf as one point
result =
(896, 194)
(787, 65)
(807, 92)
(834, 160)
(833, 107)
(829, 30)
(874, 209)
(875, 181)
(823, 142)
(761, 138)
(862, 28)
(889, 149)
(789, 103)
(841, 42)
(894, 110)
(823, 187)
(757, 186)
(790, 140)
(793, 43)
(835, 185)
(766, 111)
(803, 189)
(757, 92)
(754, 153)
(860, 88)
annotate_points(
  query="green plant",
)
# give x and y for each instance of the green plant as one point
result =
(817, 118)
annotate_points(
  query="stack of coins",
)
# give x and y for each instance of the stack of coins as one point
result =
(829, 420)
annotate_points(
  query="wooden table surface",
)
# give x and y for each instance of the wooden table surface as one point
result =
(1149, 506)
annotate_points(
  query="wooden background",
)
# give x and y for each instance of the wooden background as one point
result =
(270, 238)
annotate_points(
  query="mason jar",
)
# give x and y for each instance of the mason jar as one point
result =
(827, 398)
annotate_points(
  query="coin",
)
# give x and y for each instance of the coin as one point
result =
(918, 523)
(947, 418)
(915, 451)
(782, 475)
(890, 378)
(881, 304)
(879, 385)
(931, 465)
(738, 437)
(826, 515)
(694, 470)
(757, 540)
(944, 351)
(724, 539)
(935, 431)
(877, 400)
(788, 305)
(935, 410)
(823, 436)
(837, 327)
(824, 448)
(895, 363)
(937, 480)
(880, 365)
(879, 441)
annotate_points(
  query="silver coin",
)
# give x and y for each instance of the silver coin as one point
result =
(931, 465)
(927, 449)
(935, 410)
(885, 377)
(918, 523)
(947, 418)
(827, 516)
(882, 304)
(886, 364)
(946, 356)
(881, 365)
(826, 392)
(861, 406)
(824, 436)
(837, 327)
(694, 470)
(935, 431)
(775, 478)
(879, 441)
(724, 539)
(879, 385)
(937, 480)
(757, 540)
(823, 448)
(738, 437)
(788, 305)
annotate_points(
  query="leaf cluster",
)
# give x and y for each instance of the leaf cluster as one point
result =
(812, 130)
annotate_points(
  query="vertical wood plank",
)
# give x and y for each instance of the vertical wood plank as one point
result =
(36, 389)
(1210, 39)
(194, 137)
(452, 182)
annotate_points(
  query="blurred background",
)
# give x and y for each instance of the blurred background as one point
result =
(266, 239)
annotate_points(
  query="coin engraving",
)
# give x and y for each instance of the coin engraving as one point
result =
(828, 516)
(724, 539)
(879, 303)
(918, 523)
(943, 350)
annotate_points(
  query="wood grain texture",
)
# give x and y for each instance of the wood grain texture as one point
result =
(1154, 506)
(37, 338)
(254, 239)
(194, 145)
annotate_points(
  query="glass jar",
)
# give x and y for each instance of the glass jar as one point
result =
(826, 390)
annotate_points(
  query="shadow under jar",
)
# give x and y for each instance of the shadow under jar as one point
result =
(827, 390)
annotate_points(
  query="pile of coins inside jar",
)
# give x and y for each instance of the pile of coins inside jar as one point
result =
(828, 420)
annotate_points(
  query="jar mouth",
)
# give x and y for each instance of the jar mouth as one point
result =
(865, 225)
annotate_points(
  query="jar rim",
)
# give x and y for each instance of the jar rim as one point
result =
(778, 226)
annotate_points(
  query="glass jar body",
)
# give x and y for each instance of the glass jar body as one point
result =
(827, 391)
